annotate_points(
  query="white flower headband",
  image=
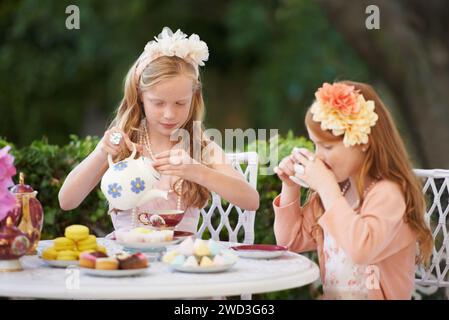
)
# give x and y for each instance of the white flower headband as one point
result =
(167, 43)
(343, 110)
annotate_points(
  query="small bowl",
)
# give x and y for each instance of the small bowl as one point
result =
(161, 219)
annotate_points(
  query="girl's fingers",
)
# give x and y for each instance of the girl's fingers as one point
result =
(160, 162)
(165, 167)
(286, 166)
(302, 159)
(281, 174)
(164, 154)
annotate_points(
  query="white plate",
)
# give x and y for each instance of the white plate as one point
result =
(203, 269)
(61, 263)
(114, 273)
(148, 245)
(260, 251)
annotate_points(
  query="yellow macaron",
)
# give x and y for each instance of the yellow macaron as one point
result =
(49, 254)
(67, 255)
(87, 244)
(102, 249)
(63, 243)
(76, 232)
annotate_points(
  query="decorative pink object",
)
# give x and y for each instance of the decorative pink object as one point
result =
(7, 171)
(28, 213)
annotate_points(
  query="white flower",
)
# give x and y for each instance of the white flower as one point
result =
(167, 43)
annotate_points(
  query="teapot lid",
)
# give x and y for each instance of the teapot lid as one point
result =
(21, 187)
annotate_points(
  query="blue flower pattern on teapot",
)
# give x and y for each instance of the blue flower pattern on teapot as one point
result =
(137, 185)
(115, 190)
(120, 166)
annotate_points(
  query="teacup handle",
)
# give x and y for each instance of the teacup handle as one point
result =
(133, 154)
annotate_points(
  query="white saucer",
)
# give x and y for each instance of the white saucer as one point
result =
(148, 245)
(114, 273)
(199, 269)
(61, 263)
(259, 251)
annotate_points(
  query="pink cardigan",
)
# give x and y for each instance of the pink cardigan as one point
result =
(378, 237)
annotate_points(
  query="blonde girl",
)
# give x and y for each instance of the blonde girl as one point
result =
(162, 95)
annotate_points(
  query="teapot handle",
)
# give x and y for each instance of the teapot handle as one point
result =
(133, 154)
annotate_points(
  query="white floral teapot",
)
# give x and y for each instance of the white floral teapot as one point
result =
(129, 183)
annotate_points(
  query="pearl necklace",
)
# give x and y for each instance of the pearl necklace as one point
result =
(145, 140)
(348, 184)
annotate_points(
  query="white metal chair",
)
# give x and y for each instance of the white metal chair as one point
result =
(245, 218)
(436, 188)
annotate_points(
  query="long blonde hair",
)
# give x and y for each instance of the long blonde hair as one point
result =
(130, 112)
(386, 158)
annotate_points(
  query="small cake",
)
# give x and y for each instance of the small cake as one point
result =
(87, 259)
(76, 232)
(106, 263)
(201, 248)
(206, 262)
(62, 243)
(135, 261)
(49, 254)
(101, 249)
(191, 262)
(132, 237)
(170, 256)
(213, 247)
(167, 234)
(67, 255)
(186, 247)
(90, 243)
(178, 260)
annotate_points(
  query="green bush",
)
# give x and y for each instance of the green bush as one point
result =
(46, 166)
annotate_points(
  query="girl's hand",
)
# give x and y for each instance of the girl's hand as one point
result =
(316, 174)
(285, 169)
(178, 163)
(106, 147)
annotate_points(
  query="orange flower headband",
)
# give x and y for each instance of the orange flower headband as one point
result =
(167, 43)
(343, 110)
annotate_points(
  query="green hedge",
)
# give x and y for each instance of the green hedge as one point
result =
(46, 166)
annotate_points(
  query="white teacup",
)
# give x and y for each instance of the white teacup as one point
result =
(130, 183)
(299, 170)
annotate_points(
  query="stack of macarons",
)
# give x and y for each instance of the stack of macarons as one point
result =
(77, 239)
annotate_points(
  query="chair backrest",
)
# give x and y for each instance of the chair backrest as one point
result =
(244, 219)
(436, 189)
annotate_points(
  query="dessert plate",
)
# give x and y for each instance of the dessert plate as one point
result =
(148, 245)
(259, 251)
(60, 263)
(114, 273)
(182, 234)
(198, 269)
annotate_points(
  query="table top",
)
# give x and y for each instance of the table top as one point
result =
(247, 276)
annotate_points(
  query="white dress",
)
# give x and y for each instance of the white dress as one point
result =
(344, 280)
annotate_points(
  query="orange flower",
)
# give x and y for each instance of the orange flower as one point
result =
(339, 96)
(343, 110)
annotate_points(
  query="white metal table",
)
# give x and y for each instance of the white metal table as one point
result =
(247, 276)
